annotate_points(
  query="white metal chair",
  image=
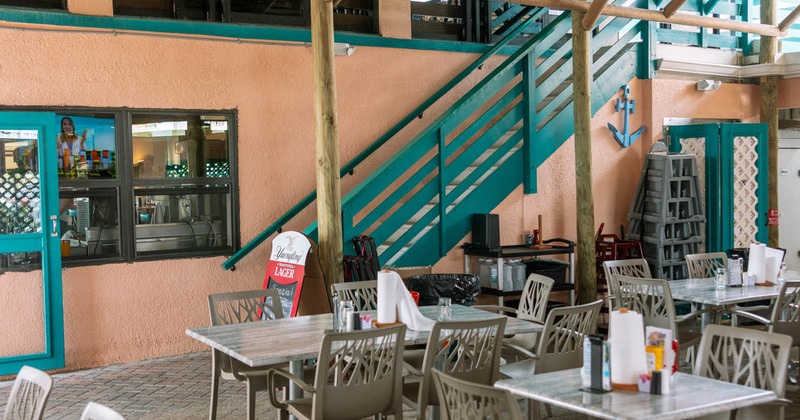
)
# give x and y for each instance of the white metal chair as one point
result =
(703, 266)
(636, 267)
(468, 350)
(653, 299)
(363, 294)
(785, 318)
(28, 395)
(464, 400)
(359, 374)
(532, 307)
(235, 308)
(95, 411)
(560, 344)
(748, 357)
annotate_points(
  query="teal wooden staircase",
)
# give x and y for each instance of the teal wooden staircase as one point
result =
(419, 203)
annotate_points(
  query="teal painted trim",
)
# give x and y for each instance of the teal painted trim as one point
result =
(52, 305)
(714, 207)
(645, 67)
(366, 188)
(442, 158)
(307, 200)
(493, 190)
(725, 185)
(697, 38)
(232, 30)
(23, 242)
(708, 7)
(384, 207)
(482, 121)
(479, 96)
(529, 176)
(483, 144)
(744, 38)
(758, 130)
(392, 170)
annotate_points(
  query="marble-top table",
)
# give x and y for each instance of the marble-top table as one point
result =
(704, 291)
(691, 396)
(293, 339)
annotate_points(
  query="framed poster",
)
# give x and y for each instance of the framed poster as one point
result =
(286, 269)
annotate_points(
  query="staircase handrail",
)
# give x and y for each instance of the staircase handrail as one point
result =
(350, 166)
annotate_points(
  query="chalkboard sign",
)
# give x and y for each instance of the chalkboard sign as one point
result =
(286, 269)
(286, 292)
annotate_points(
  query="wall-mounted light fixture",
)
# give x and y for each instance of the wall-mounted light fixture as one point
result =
(340, 48)
(704, 85)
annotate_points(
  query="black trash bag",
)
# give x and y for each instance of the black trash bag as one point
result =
(463, 289)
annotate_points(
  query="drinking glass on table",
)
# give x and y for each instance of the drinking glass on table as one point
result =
(346, 309)
(722, 278)
(445, 306)
(781, 274)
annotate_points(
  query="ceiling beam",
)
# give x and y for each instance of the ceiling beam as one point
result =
(658, 16)
(786, 23)
(672, 7)
(595, 9)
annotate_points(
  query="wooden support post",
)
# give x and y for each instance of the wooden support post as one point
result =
(581, 82)
(786, 23)
(673, 7)
(769, 111)
(329, 200)
(595, 9)
(658, 16)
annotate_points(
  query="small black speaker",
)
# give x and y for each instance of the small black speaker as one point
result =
(486, 230)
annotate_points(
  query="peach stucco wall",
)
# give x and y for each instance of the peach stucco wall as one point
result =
(122, 312)
(615, 170)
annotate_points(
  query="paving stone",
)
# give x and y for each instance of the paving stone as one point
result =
(178, 387)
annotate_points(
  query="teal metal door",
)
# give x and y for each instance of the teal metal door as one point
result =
(732, 159)
(32, 331)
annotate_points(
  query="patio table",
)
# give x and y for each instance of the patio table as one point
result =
(296, 339)
(691, 396)
(704, 292)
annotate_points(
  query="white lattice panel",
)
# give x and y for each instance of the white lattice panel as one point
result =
(745, 185)
(697, 146)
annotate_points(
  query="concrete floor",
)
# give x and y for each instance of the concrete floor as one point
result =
(177, 387)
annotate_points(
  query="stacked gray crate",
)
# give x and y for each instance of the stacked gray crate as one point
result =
(667, 214)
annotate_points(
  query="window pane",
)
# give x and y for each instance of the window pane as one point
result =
(86, 146)
(182, 221)
(180, 146)
(89, 224)
(20, 202)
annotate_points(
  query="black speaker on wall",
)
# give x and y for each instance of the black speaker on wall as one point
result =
(486, 230)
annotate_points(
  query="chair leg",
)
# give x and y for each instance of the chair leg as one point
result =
(283, 415)
(251, 400)
(212, 409)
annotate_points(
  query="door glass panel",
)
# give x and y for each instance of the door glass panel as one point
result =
(21, 304)
(19, 183)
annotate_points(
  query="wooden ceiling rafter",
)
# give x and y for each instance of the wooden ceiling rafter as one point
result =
(658, 16)
(594, 12)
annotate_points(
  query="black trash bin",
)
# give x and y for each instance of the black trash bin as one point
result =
(463, 289)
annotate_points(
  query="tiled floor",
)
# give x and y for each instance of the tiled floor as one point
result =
(177, 387)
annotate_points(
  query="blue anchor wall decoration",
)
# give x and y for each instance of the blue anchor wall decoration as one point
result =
(628, 106)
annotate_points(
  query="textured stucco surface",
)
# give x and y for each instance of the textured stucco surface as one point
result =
(615, 170)
(122, 312)
(22, 328)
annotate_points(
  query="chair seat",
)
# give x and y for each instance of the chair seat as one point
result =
(414, 357)
(521, 369)
(411, 392)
